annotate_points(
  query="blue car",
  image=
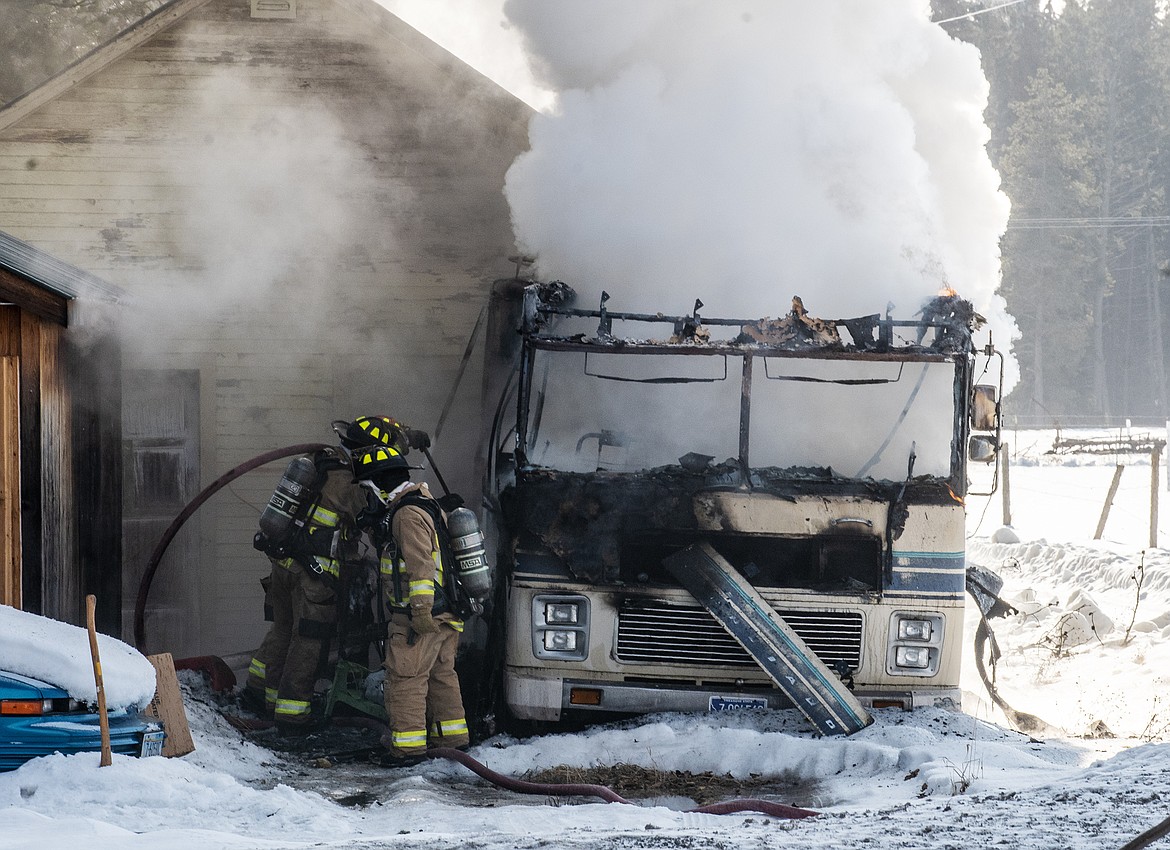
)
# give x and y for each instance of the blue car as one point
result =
(38, 719)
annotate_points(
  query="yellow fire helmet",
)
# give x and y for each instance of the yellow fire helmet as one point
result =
(370, 431)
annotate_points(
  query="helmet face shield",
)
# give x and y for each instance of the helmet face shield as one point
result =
(383, 465)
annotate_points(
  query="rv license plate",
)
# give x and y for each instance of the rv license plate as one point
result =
(152, 744)
(735, 703)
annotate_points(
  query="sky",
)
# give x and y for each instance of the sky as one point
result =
(924, 779)
(480, 34)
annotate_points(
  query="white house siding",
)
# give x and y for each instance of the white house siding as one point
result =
(307, 212)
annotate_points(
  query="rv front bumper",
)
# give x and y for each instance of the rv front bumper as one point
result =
(541, 698)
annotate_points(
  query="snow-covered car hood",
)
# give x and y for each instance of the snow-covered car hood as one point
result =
(58, 653)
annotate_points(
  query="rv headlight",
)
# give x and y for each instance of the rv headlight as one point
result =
(915, 630)
(915, 644)
(558, 613)
(560, 627)
(914, 657)
(556, 640)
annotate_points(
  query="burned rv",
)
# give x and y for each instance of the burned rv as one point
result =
(694, 513)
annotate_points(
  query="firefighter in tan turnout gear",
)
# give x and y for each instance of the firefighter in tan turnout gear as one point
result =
(309, 531)
(423, 700)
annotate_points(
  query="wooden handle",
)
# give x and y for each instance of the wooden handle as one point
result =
(90, 608)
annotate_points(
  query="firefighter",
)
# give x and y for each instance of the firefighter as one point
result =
(422, 696)
(301, 590)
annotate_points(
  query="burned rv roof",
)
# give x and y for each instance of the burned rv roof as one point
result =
(943, 331)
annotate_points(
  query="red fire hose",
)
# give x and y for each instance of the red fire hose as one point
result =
(546, 789)
(521, 786)
(192, 506)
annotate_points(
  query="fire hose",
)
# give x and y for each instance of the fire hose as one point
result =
(192, 506)
(571, 789)
(576, 789)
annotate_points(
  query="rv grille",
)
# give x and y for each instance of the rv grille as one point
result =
(655, 632)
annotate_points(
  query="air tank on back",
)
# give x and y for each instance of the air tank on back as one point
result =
(279, 519)
(470, 557)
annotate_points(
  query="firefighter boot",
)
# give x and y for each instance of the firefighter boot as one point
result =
(252, 700)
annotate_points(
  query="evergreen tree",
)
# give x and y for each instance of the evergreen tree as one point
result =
(1046, 272)
(1079, 120)
(1111, 46)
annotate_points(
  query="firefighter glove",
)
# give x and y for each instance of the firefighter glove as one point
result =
(417, 439)
(422, 621)
(368, 517)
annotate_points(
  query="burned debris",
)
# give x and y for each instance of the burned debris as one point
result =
(595, 524)
(796, 330)
(946, 324)
(605, 527)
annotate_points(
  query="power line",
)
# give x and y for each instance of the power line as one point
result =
(1089, 223)
(980, 12)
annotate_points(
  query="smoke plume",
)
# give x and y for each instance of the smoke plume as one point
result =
(271, 206)
(746, 151)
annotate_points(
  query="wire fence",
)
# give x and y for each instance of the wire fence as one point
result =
(1071, 500)
(1080, 422)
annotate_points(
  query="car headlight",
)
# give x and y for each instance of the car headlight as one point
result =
(912, 656)
(560, 641)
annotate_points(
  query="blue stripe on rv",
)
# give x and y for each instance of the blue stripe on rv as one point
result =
(936, 574)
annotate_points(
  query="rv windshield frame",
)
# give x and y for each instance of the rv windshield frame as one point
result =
(528, 420)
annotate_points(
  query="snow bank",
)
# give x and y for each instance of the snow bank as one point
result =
(58, 653)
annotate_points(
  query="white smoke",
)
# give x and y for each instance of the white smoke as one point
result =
(745, 151)
(271, 204)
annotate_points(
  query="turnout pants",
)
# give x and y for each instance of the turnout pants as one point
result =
(296, 649)
(422, 693)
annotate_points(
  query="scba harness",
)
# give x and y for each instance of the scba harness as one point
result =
(451, 594)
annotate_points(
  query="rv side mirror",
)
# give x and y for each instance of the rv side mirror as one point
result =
(982, 449)
(984, 410)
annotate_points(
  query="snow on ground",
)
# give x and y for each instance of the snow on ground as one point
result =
(925, 779)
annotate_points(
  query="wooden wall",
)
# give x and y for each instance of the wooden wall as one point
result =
(94, 364)
(337, 271)
(46, 416)
(54, 516)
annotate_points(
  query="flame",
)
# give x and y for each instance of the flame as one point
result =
(947, 292)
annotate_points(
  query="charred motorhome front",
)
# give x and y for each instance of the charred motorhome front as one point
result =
(815, 468)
